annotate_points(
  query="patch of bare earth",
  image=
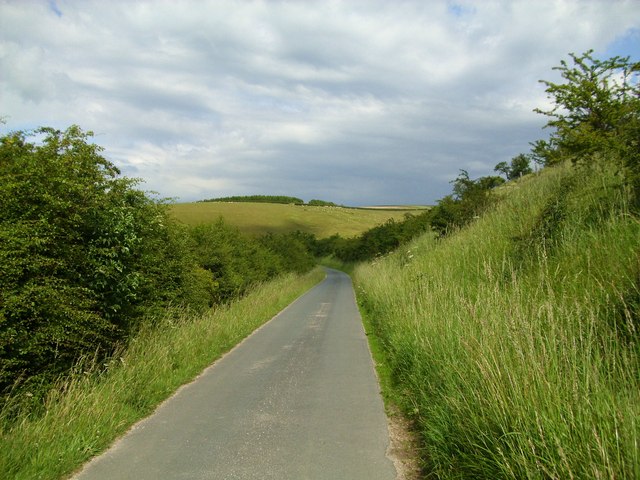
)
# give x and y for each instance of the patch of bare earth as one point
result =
(403, 445)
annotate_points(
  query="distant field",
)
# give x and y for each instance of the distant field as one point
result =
(260, 218)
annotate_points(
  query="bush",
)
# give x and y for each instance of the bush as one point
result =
(83, 254)
(293, 249)
(470, 198)
(378, 240)
(236, 262)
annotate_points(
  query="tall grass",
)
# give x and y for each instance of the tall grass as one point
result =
(514, 342)
(84, 414)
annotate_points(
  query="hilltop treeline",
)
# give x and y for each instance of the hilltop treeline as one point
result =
(86, 257)
(321, 203)
(259, 199)
(281, 199)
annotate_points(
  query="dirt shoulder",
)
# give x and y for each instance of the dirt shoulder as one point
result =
(403, 445)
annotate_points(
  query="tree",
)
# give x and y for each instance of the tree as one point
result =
(469, 199)
(595, 111)
(503, 168)
(519, 166)
(234, 261)
(293, 250)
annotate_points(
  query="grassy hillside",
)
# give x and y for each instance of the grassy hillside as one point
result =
(259, 218)
(514, 342)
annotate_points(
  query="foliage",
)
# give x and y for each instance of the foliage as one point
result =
(520, 165)
(294, 249)
(378, 240)
(259, 199)
(469, 199)
(595, 114)
(321, 203)
(79, 249)
(84, 257)
(238, 262)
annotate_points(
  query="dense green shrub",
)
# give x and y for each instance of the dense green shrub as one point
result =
(83, 254)
(469, 199)
(378, 240)
(294, 250)
(235, 261)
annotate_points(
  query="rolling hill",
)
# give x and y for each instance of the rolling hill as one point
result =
(260, 218)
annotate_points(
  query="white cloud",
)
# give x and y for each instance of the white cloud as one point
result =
(356, 102)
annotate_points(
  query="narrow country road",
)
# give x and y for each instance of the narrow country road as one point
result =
(296, 400)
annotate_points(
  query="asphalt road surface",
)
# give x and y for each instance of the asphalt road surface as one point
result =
(296, 400)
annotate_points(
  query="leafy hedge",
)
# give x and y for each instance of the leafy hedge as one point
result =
(78, 249)
(377, 240)
(237, 262)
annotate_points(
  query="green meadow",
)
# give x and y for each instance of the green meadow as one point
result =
(261, 218)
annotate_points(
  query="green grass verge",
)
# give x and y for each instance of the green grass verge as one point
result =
(514, 343)
(381, 362)
(88, 411)
(261, 218)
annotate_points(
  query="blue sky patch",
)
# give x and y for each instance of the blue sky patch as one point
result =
(54, 8)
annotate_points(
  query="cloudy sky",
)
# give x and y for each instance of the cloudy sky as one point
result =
(356, 102)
